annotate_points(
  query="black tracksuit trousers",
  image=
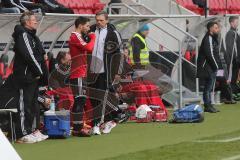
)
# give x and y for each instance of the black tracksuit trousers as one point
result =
(27, 109)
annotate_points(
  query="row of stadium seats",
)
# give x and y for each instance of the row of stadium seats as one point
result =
(189, 5)
(215, 6)
(83, 6)
(223, 6)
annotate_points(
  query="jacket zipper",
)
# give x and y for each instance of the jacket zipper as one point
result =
(204, 63)
(26, 70)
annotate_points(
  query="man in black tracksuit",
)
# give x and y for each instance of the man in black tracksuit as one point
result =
(104, 66)
(208, 63)
(232, 56)
(29, 71)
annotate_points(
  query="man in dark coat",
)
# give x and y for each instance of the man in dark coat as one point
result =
(104, 66)
(232, 56)
(29, 72)
(208, 63)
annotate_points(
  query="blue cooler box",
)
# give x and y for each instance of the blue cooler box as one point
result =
(57, 123)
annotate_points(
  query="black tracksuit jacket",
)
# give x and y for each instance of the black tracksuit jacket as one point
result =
(29, 57)
(208, 59)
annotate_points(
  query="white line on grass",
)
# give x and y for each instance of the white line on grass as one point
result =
(237, 157)
(219, 141)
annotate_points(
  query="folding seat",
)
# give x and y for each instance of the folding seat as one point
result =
(75, 11)
(91, 4)
(189, 4)
(80, 4)
(230, 6)
(80, 11)
(98, 6)
(61, 1)
(183, 3)
(75, 4)
(235, 5)
(194, 7)
(223, 5)
(212, 5)
(70, 4)
(66, 3)
(179, 2)
(86, 4)
(89, 11)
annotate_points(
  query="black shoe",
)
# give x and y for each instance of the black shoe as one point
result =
(214, 108)
(121, 118)
(217, 110)
(209, 108)
(236, 97)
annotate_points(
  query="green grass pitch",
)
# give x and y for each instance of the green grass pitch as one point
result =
(151, 141)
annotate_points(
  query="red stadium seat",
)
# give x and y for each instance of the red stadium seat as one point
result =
(71, 4)
(233, 6)
(87, 4)
(81, 11)
(76, 11)
(83, 6)
(64, 2)
(237, 3)
(222, 5)
(216, 6)
(189, 5)
(179, 2)
(80, 4)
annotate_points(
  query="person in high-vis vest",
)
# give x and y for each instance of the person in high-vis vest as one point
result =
(139, 53)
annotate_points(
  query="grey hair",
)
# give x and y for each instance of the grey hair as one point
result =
(102, 13)
(25, 17)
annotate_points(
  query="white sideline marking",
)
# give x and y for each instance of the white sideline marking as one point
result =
(7, 152)
(219, 141)
(237, 157)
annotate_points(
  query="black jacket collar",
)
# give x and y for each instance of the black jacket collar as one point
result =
(233, 29)
(19, 29)
(32, 32)
(110, 27)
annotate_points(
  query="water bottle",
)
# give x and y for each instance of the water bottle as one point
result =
(52, 105)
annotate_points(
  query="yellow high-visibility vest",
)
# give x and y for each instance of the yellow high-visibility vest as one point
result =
(144, 54)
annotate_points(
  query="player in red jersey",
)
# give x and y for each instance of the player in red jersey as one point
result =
(80, 44)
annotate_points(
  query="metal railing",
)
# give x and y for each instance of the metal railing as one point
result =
(137, 16)
(181, 58)
(196, 48)
(171, 2)
(120, 5)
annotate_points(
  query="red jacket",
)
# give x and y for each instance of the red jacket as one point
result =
(78, 50)
(5, 72)
(65, 95)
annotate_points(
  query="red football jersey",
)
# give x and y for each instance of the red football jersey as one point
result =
(79, 50)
